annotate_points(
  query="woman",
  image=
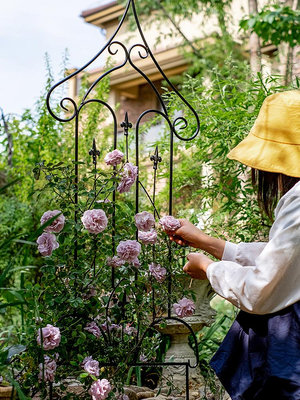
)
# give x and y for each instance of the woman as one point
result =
(260, 356)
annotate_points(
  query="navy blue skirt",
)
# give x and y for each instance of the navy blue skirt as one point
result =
(259, 358)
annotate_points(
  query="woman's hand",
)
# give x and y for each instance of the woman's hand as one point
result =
(187, 235)
(197, 265)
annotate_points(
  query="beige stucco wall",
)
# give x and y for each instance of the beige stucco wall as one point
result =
(165, 48)
(159, 35)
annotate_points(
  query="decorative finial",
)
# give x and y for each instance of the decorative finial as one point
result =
(126, 124)
(94, 152)
(155, 158)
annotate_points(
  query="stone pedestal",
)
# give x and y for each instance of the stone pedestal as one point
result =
(180, 350)
(6, 392)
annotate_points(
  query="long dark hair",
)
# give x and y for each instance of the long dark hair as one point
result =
(270, 187)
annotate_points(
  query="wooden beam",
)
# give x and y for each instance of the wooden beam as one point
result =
(153, 77)
(131, 92)
(104, 16)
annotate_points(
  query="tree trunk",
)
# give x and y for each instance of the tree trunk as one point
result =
(295, 61)
(287, 54)
(254, 43)
(9, 139)
(291, 54)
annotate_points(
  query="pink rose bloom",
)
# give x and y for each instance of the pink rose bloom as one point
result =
(184, 308)
(95, 221)
(114, 327)
(158, 272)
(47, 243)
(93, 328)
(114, 158)
(148, 237)
(129, 250)
(49, 370)
(103, 201)
(169, 223)
(128, 177)
(136, 263)
(123, 397)
(51, 337)
(130, 330)
(143, 358)
(91, 366)
(57, 225)
(111, 327)
(114, 262)
(144, 221)
(100, 389)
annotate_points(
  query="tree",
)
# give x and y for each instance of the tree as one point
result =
(174, 12)
(279, 25)
(8, 137)
(254, 42)
(287, 53)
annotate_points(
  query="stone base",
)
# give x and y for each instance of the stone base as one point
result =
(180, 350)
(6, 392)
(197, 392)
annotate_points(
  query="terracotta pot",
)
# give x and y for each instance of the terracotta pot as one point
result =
(5, 392)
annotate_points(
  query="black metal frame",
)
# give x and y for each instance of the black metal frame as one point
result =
(143, 52)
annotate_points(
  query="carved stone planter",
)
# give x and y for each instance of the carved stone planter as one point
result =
(6, 392)
(180, 350)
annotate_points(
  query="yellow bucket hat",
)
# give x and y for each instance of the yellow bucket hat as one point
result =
(273, 143)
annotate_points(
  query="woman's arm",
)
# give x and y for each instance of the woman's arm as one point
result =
(273, 281)
(242, 253)
(189, 235)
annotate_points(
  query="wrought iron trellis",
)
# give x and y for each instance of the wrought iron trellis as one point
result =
(144, 51)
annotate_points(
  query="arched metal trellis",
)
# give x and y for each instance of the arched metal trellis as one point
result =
(176, 126)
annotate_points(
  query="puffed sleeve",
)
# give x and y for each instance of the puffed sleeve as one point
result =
(243, 253)
(272, 280)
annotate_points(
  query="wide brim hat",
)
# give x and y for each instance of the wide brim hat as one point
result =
(273, 143)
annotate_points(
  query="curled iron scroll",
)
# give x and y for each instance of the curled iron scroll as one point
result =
(75, 73)
(171, 85)
(74, 107)
(70, 109)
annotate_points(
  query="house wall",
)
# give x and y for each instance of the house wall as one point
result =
(146, 100)
(137, 96)
(159, 35)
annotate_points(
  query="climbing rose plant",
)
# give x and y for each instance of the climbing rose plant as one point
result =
(92, 301)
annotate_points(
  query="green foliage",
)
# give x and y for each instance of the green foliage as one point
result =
(185, 9)
(209, 189)
(63, 292)
(217, 192)
(153, 9)
(209, 339)
(212, 58)
(37, 139)
(170, 11)
(59, 289)
(275, 24)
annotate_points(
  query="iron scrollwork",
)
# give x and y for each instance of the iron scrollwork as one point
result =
(70, 110)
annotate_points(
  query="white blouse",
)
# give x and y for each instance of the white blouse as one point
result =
(262, 278)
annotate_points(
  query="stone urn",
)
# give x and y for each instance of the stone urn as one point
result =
(180, 350)
(6, 392)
